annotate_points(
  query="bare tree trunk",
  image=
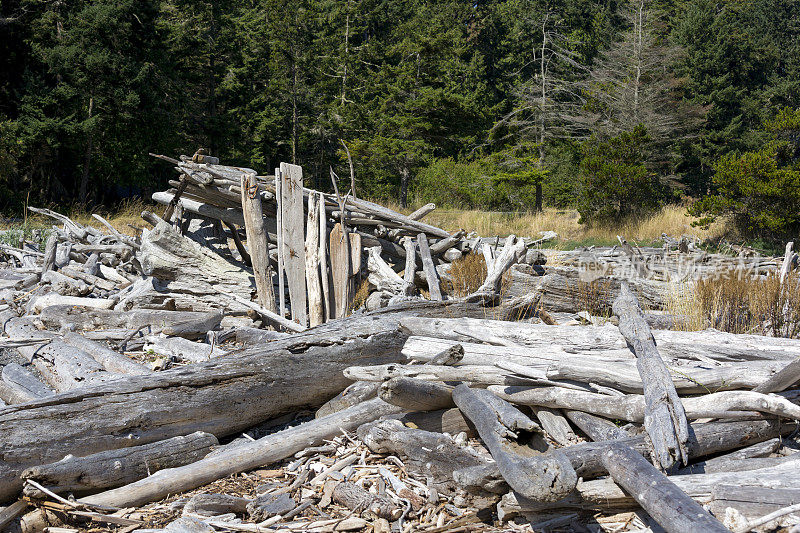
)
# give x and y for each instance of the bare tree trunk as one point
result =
(404, 178)
(87, 159)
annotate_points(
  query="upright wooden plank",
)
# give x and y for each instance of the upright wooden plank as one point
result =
(434, 287)
(324, 271)
(340, 270)
(294, 253)
(356, 253)
(279, 232)
(411, 259)
(316, 312)
(258, 241)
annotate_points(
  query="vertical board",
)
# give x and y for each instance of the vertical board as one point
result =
(340, 270)
(316, 310)
(255, 228)
(324, 271)
(356, 254)
(434, 287)
(294, 243)
(279, 232)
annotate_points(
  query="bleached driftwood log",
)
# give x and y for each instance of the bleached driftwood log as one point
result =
(543, 477)
(316, 308)
(182, 265)
(383, 277)
(672, 508)
(111, 360)
(431, 276)
(512, 251)
(114, 468)
(258, 453)
(24, 383)
(416, 394)
(665, 420)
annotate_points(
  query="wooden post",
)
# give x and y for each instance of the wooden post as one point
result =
(293, 240)
(258, 241)
(279, 231)
(327, 297)
(429, 268)
(340, 267)
(316, 312)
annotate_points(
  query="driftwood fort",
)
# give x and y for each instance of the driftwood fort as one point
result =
(265, 357)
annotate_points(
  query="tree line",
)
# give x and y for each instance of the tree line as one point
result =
(610, 106)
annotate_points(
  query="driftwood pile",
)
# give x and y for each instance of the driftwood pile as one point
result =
(172, 381)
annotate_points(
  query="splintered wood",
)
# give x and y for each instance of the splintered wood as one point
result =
(156, 381)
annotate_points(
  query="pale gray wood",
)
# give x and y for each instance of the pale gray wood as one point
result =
(341, 270)
(354, 394)
(596, 428)
(416, 394)
(281, 249)
(220, 397)
(258, 453)
(432, 277)
(183, 349)
(65, 285)
(672, 508)
(115, 468)
(555, 426)
(425, 453)
(512, 251)
(316, 308)
(324, 269)
(187, 324)
(258, 242)
(665, 419)
(359, 500)
(292, 224)
(786, 265)
(545, 477)
(410, 246)
(752, 501)
(19, 378)
(422, 211)
(109, 359)
(383, 277)
(782, 380)
(50, 253)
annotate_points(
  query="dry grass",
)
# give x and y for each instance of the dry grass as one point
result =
(740, 304)
(671, 220)
(468, 273)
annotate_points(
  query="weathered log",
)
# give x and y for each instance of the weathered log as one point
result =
(781, 380)
(261, 452)
(596, 428)
(416, 394)
(182, 265)
(221, 397)
(422, 211)
(183, 349)
(475, 374)
(383, 277)
(111, 360)
(257, 241)
(451, 421)
(410, 246)
(605, 495)
(633, 407)
(114, 468)
(425, 453)
(661, 498)
(324, 270)
(50, 253)
(354, 394)
(190, 325)
(341, 270)
(510, 254)
(665, 420)
(204, 504)
(431, 276)
(24, 382)
(752, 501)
(545, 477)
(706, 439)
(38, 303)
(555, 426)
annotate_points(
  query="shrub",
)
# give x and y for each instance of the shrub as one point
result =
(615, 183)
(759, 190)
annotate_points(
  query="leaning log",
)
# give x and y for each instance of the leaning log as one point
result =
(665, 420)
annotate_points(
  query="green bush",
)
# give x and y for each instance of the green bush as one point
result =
(614, 182)
(759, 190)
